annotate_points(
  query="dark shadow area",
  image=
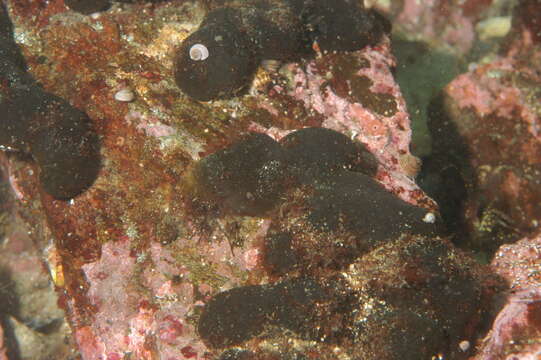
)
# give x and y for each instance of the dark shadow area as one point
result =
(472, 214)
(446, 174)
(9, 306)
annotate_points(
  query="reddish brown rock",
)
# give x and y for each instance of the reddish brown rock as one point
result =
(488, 128)
(516, 330)
(445, 25)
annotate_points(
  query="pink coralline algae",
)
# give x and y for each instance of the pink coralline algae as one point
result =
(494, 120)
(516, 330)
(358, 96)
(448, 25)
(490, 115)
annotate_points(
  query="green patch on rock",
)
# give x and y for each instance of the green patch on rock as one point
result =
(421, 73)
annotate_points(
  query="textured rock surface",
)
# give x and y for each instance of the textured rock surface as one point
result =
(516, 331)
(487, 127)
(434, 41)
(490, 133)
(449, 25)
(135, 262)
(35, 327)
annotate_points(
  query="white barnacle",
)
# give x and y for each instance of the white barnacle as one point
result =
(199, 52)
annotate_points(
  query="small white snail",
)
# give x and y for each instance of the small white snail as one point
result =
(199, 52)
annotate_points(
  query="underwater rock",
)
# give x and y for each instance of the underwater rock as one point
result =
(309, 176)
(34, 324)
(515, 331)
(131, 251)
(414, 295)
(235, 38)
(236, 354)
(3, 350)
(526, 252)
(486, 131)
(523, 19)
(425, 289)
(448, 27)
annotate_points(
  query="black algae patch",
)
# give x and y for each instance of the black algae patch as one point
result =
(315, 151)
(343, 25)
(383, 104)
(59, 137)
(244, 179)
(235, 316)
(13, 134)
(278, 256)
(362, 206)
(296, 310)
(313, 310)
(220, 58)
(87, 6)
(253, 175)
(65, 147)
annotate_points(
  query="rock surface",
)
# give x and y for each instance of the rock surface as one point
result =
(141, 266)
(491, 118)
(487, 127)
(516, 330)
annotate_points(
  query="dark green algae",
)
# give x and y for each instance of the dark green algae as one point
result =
(328, 213)
(424, 302)
(234, 316)
(59, 137)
